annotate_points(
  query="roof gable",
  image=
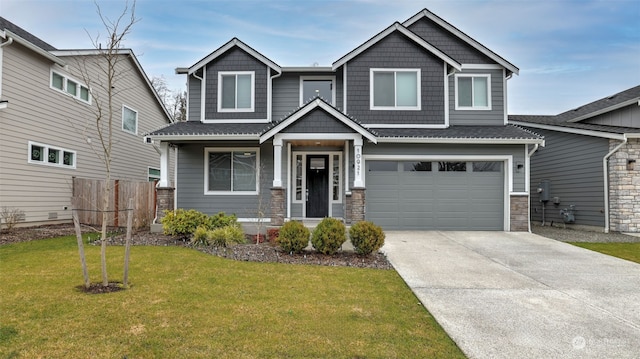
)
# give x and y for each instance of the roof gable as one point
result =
(397, 27)
(235, 42)
(310, 107)
(466, 38)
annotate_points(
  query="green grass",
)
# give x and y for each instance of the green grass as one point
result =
(186, 304)
(628, 251)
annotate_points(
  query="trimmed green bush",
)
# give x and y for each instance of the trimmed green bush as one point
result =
(200, 236)
(220, 220)
(328, 236)
(366, 237)
(226, 236)
(293, 237)
(182, 222)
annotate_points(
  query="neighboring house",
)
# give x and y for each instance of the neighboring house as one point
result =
(591, 161)
(408, 130)
(47, 123)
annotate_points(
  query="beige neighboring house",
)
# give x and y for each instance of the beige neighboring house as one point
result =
(48, 133)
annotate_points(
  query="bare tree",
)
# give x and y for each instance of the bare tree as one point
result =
(174, 100)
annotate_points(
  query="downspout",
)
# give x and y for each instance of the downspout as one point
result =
(8, 42)
(270, 94)
(202, 94)
(605, 172)
(3, 104)
(528, 169)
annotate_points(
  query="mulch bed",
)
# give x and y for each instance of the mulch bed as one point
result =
(263, 252)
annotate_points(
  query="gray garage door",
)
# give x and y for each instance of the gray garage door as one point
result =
(435, 195)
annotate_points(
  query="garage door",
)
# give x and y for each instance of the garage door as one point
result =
(435, 195)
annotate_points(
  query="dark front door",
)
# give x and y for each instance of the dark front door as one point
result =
(317, 186)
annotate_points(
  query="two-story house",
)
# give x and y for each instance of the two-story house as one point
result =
(408, 130)
(48, 132)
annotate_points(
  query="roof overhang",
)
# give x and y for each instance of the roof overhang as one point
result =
(49, 55)
(224, 48)
(318, 103)
(466, 141)
(577, 131)
(408, 33)
(630, 102)
(178, 138)
(473, 43)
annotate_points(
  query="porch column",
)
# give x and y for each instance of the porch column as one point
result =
(358, 163)
(164, 165)
(277, 162)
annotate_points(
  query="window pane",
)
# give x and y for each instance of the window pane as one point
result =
(244, 171)
(72, 87)
(154, 172)
(244, 91)
(54, 155)
(129, 120)
(84, 93)
(486, 167)
(37, 153)
(383, 93)
(336, 177)
(57, 81)
(464, 91)
(384, 166)
(219, 171)
(317, 88)
(67, 159)
(480, 97)
(452, 166)
(407, 89)
(417, 166)
(228, 92)
(298, 177)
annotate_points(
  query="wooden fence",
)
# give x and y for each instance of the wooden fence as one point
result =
(89, 193)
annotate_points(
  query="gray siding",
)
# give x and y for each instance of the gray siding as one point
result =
(396, 51)
(286, 95)
(194, 87)
(448, 43)
(624, 117)
(190, 190)
(573, 165)
(517, 151)
(236, 60)
(318, 121)
(495, 116)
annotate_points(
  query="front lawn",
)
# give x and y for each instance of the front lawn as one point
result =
(628, 251)
(187, 304)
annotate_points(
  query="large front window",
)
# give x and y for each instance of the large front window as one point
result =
(397, 89)
(231, 171)
(473, 92)
(235, 91)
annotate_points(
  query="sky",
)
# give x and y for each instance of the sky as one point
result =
(569, 52)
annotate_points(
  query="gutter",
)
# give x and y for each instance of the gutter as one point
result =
(605, 161)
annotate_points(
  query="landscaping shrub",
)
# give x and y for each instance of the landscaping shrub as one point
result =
(220, 220)
(366, 237)
(200, 236)
(328, 236)
(183, 222)
(226, 236)
(272, 234)
(293, 237)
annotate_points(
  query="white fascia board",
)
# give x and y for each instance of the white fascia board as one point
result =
(605, 110)
(405, 125)
(577, 131)
(241, 137)
(466, 141)
(397, 27)
(224, 48)
(34, 48)
(473, 43)
(309, 69)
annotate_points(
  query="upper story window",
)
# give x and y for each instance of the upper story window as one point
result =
(395, 89)
(317, 86)
(52, 156)
(129, 120)
(473, 92)
(70, 87)
(236, 91)
(231, 171)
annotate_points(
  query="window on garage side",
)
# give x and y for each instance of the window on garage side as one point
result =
(473, 92)
(452, 166)
(487, 166)
(235, 91)
(395, 89)
(417, 166)
(231, 171)
(383, 166)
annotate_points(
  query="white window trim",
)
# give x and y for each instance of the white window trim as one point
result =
(312, 78)
(473, 107)
(396, 108)
(208, 150)
(45, 156)
(253, 91)
(137, 119)
(65, 78)
(293, 173)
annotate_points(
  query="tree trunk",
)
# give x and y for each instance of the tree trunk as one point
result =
(103, 235)
(128, 242)
(83, 259)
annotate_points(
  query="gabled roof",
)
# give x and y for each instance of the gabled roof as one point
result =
(607, 104)
(466, 38)
(235, 42)
(310, 106)
(406, 32)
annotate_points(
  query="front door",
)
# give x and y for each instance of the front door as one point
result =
(317, 186)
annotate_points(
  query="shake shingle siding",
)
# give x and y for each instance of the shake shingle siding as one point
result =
(396, 52)
(286, 95)
(195, 98)
(236, 60)
(495, 116)
(318, 121)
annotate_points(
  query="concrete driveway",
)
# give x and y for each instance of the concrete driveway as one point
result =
(520, 295)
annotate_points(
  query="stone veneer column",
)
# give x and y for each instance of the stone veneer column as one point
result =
(519, 213)
(357, 204)
(164, 198)
(347, 209)
(277, 206)
(624, 187)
